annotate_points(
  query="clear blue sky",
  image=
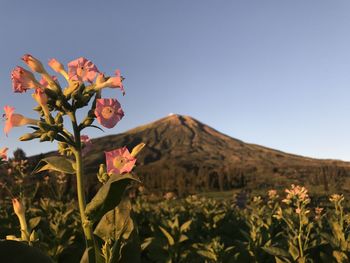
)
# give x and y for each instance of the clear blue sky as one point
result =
(275, 73)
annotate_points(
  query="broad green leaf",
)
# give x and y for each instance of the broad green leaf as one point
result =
(293, 250)
(119, 225)
(116, 223)
(275, 251)
(168, 236)
(56, 163)
(108, 196)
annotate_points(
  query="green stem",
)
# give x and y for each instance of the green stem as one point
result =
(301, 251)
(89, 238)
(24, 227)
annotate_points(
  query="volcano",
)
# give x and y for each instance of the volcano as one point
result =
(184, 155)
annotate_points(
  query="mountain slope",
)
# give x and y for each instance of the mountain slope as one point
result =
(185, 155)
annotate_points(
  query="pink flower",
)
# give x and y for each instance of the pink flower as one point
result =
(120, 161)
(116, 82)
(82, 69)
(3, 153)
(112, 82)
(15, 120)
(22, 80)
(33, 63)
(108, 112)
(58, 67)
(87, 144)
(18, 207)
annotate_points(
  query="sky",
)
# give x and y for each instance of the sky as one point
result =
(269, 72)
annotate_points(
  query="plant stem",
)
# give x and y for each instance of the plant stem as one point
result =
(89, 238)
(301, 251)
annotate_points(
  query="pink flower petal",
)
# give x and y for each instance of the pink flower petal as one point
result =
(108, 112)
(120, 161)
(82, 69)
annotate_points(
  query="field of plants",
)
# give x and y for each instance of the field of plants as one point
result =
(282, 226)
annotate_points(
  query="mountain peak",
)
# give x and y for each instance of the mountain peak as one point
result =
(184, 154)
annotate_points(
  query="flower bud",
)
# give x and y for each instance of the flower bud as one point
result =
(58, 118)
(29, 136)
(58, 67)
(88, 121)
(18, 207)
(41, 98)
(33, 63)
(102, 169)
(137, 149)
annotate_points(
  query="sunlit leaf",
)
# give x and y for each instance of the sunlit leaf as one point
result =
(168, 236)
(55, 163)
(108, 196)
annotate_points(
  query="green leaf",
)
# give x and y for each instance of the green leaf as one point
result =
(116, 223)
(207, 254)
(185, 226)
(275, 251)
(278, 260)
(108, 196)
(293, 250)
(146, 243)
(33, 222)
(168, 236)
(56, 163)
(183, 238)
(119, 225)
(337, 231)
(96, 127)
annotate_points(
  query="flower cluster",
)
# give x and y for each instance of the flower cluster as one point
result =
(84, 81)
(336, 198)
(296, 193)
(272, 194)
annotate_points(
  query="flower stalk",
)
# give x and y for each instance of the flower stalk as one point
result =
(87, 228)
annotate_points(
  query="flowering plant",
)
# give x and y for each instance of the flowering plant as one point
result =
(85, 84)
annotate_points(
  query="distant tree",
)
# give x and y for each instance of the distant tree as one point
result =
(19, 154)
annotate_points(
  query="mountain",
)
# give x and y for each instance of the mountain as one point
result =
(185, 155)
